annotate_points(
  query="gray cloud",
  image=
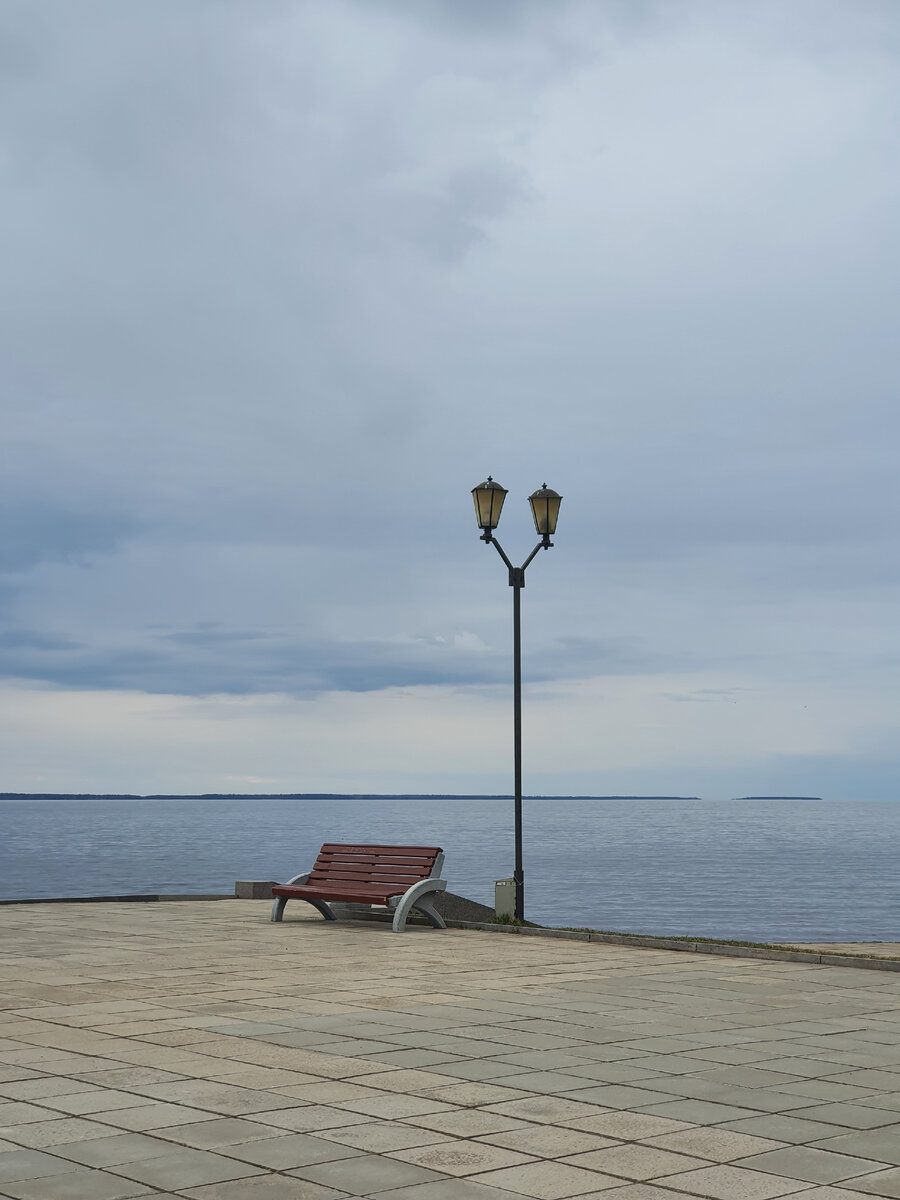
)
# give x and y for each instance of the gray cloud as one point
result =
(33, 532)
(214, 660)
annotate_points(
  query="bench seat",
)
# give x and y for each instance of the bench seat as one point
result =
(348, 894)
(403, 878)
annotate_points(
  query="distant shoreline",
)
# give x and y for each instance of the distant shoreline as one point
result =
(309, 796)
(351, 796)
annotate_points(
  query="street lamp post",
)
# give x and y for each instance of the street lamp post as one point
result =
(489, 497)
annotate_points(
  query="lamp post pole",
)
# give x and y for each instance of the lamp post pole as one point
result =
(489, 497)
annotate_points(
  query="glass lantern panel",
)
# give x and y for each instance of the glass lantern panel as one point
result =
(488, 503)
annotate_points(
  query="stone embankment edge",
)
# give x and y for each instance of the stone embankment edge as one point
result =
(148, 899)
(654, 943)
(638, 941)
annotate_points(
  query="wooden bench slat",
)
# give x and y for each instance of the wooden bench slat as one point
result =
(363, 895)
(377, 869)
(368, 864)
(362, 860)
(398, 851)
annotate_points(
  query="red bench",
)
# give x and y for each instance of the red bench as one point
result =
(404, 878)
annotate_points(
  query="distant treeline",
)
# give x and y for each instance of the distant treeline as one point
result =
(328, 796)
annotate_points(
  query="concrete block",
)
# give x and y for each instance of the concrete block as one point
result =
(254, 889)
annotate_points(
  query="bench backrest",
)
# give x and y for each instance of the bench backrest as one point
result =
(396, 865)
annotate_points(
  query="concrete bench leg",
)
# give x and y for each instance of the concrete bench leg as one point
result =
(419, 897)
(281, 901)
(426, 906)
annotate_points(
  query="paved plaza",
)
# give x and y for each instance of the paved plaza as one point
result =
(196, 1050)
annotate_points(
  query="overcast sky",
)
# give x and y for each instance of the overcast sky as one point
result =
(284, 279)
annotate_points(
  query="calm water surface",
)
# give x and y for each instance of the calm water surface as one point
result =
(760, 870)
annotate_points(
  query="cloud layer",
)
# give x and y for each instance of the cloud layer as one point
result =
(282, 282)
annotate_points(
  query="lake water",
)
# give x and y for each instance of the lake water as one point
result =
(758, 870)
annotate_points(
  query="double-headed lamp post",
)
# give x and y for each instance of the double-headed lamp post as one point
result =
(489, 497)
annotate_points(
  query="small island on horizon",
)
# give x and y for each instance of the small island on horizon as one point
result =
(776, 797)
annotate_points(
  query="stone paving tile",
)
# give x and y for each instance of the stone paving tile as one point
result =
(181, 1167)
(449, 1189)
(692, 1087)
(411, 1080)
(483, 1070)
(330, 1091)
(378, 1137)
(718, 1145)
(258, 1078)
(352, 1046)
(881, 1144)
(30, 1164)
(750, 1077)
(618, 1072)
(616, 1095)
(542, 1060)
(546, 1082)
(827, 1192)
(467, 1122)
(547, 1141)
(76, 1185)
(472, 1094)
(219, 1131)
(881, 1183)
(97, 1101)
(54, 1133)
(15, 1113)
(461, 1157)
(816, 1068)
(627, 1126)
(416, 1058)
(641, 1191)
(701, 1112)
(784, 1128)
(854, 1116)
(368, 1173)
(309, 1118)
(550, 1110)
(547, 1180)
(732, 1183)
(883, 1081)
(639, 1162)
(111, 1151)
(764, 1100)
(392, 1106)
(216, 1097)
(601, 1052)
(155, 1116)
(807, 1162)
(49, 1085)
(289, 1150)
(888, 1100)
(264, 1187)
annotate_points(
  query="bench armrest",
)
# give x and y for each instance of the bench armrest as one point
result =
(298, 879)
(279, 903)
